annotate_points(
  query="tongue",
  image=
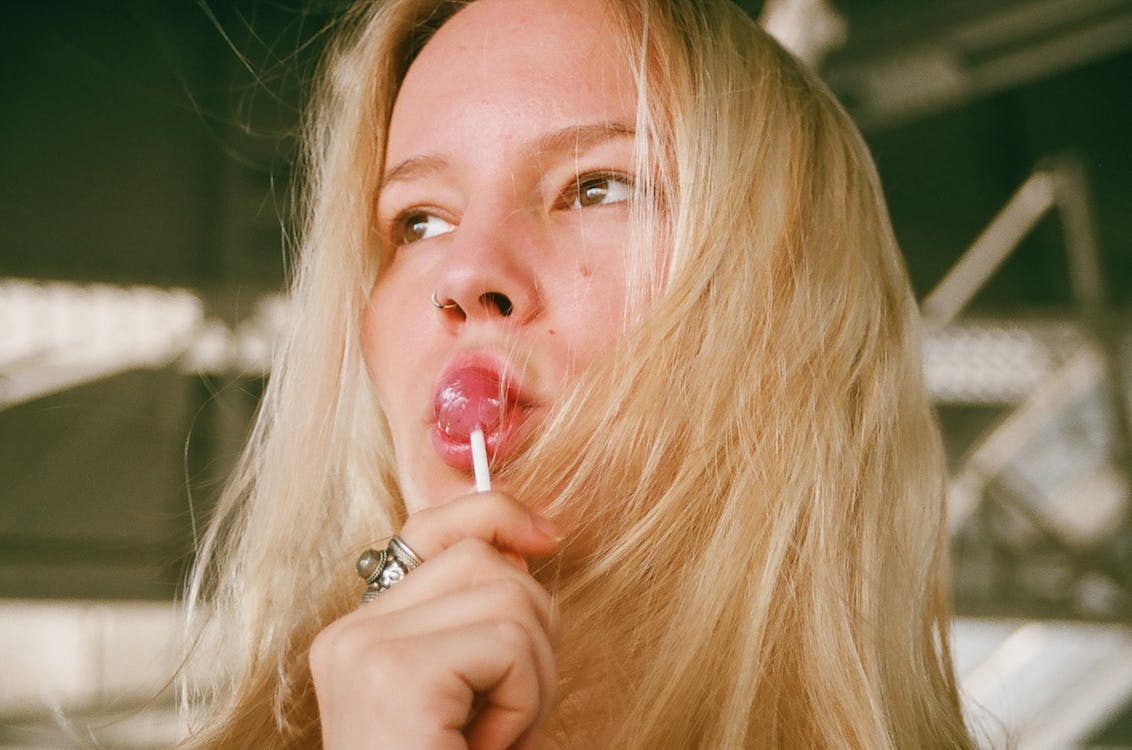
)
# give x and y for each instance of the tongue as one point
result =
(469, 398)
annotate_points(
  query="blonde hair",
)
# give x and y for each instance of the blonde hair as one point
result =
(753, 476)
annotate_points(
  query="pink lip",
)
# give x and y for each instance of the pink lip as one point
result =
(476, 391)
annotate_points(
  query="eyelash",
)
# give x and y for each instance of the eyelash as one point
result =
(570, 198)
(573, 191)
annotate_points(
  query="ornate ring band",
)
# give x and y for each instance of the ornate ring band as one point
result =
(381, 569)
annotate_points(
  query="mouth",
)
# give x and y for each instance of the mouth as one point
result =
(476, 393)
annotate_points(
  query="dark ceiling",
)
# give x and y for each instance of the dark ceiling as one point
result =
(150, 142)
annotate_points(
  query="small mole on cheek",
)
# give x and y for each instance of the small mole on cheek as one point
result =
(584, 270)
(550, 331)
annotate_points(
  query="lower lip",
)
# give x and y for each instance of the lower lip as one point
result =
(469, 395)
(500, 440)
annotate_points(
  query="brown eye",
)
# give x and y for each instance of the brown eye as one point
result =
(597, 190)
(420, 226)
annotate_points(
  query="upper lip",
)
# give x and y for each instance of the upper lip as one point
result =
(514, 390)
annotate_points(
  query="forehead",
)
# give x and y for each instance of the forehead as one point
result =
(556, 59)
(516, 24)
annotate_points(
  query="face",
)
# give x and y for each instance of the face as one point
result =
(504, 217)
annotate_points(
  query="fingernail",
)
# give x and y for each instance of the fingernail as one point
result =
(546, 527)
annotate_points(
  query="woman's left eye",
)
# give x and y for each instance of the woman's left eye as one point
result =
(419, 225)
(600, 190)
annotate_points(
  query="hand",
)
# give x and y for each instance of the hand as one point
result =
(457, 655)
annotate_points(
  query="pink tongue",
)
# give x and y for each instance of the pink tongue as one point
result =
(468, 399)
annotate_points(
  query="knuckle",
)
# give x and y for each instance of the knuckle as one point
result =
(344, 644)
(497, 502)
(481, 562)
(317, 654)
(324, 645)
(512, 634)
(415, 526)
(513, 596)
(381, 663)
(472, 550)
(510, 511)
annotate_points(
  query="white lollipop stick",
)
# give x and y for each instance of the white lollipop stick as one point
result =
(479, 461)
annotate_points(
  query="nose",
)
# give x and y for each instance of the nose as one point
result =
(488, 274)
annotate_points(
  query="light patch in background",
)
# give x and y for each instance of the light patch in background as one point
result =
(810, 29)
(88, 674)
(1041, 685)
(56, 335)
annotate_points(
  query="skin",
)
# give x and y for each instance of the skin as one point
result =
(484, 159)
(508, 172)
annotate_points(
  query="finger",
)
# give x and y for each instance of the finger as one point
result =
(496, 518)
(446, 589)
(468, 563)
(529, 741)
(497, 665)
(500, 600)
(496, 661)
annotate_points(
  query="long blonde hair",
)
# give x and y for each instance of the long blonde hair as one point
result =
(753, 476)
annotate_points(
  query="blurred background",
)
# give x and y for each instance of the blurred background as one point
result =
(145, 155)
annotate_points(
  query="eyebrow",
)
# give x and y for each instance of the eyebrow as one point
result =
(581, 137)
(570, 138)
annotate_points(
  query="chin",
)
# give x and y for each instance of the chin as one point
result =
(435, 484)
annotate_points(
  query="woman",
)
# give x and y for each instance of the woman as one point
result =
(647, 253)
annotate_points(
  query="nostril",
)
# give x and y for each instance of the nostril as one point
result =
(499, 301)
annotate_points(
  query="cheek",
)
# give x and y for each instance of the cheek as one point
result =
(386, 342)
(595, 319)
(372, 339)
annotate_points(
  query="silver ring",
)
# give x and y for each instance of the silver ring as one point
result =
(381, 569)
(449, 305)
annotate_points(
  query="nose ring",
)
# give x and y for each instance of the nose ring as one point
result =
(449, 305)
